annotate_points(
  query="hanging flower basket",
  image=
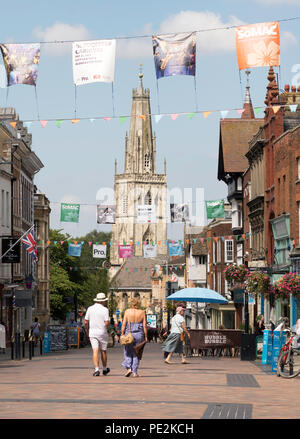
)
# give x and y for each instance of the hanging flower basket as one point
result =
(288, 284)
(258, 282)
(235, 274)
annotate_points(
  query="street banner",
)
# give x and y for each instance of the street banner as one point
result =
(21, 63)
(215, 209)
(74, 249)
(175, 249)
(125, 251)
(106, 214)
(146, 214)
(179, 213)
(69, 212)
(99, 251)
(174, 54)
(93, 61)
(150, 251)
(258, 45)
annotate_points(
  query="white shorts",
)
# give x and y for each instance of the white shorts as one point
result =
(99, 343)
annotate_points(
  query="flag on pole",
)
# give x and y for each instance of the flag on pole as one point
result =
(30, 244)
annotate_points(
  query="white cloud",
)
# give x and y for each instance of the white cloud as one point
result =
(210, 42)
(61, 32)
(287, 39)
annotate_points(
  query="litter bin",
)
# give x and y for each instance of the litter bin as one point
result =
(248, 347)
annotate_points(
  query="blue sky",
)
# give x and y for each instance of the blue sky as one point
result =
(79, 159)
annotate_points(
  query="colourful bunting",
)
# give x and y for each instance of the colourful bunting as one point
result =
(43, 123)
(174, 116)
(206, 114)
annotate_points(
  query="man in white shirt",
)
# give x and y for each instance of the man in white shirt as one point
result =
(96, 321)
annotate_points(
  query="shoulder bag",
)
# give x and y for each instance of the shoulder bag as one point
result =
(127, 339)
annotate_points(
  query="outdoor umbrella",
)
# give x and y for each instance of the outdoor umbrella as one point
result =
(198, 295)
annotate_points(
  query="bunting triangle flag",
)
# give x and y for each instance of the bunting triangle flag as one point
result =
(276, 108)
(93, 120)
(58, 123)
(240, 111)
(107, 118)
(123, 119)
(293, 108)
(13, 124)
(27, 124)
(75, 121)
(142, 116)
(174, 116)
(257, 110)
(191, 115)
(206, 114)
(43, 123)
(224, 113)
(158, 117)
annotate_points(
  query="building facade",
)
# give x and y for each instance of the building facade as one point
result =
(42, 225)
(18, 292)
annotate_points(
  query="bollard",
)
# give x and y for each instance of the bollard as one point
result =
(23, 346)
(41, 346)
(30, 342)
(12, 343)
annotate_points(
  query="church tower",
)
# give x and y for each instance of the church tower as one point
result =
(139, 185)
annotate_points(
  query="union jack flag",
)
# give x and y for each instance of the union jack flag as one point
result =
(30, 243)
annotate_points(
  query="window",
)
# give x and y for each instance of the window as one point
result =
(148, 198)
(214, 251)
(125, 204)
(219, 282)
(219, 250)
(298, 163)
(229, 250)
(147, 160)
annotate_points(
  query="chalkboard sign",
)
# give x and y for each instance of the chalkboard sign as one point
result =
(73, 333)
(58, 337)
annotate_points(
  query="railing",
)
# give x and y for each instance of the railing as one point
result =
(22, 348)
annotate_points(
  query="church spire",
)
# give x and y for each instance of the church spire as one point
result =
(140, 150)
(248, 108)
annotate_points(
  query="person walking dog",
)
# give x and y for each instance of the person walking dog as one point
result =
(96, 322)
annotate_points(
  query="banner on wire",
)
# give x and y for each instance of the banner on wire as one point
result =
(215, 209)
(21, 63)
(74, 249)
(146, 213)
(258, 45)
(125, 251)
(99, 251)
(174, 54)
(69, 212)
(179, 213)
(93, 61)
(175, 249)
(150, 251)
(106, 214)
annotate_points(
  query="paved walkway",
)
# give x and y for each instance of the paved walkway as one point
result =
(61, 386)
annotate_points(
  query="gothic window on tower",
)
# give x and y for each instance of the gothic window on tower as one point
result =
(125, 204)
(148, 198)
(147, 160)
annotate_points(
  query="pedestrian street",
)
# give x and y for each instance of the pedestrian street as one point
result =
(61, 385)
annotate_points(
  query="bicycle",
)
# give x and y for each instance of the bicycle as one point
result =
(288, 363)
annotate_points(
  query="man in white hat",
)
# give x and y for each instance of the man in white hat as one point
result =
(96, 321)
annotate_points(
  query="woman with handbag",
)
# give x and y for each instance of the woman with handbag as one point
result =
(174, 341)
(134, 323)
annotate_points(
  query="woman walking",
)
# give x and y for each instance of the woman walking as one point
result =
(173, 343)
(135, 322)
